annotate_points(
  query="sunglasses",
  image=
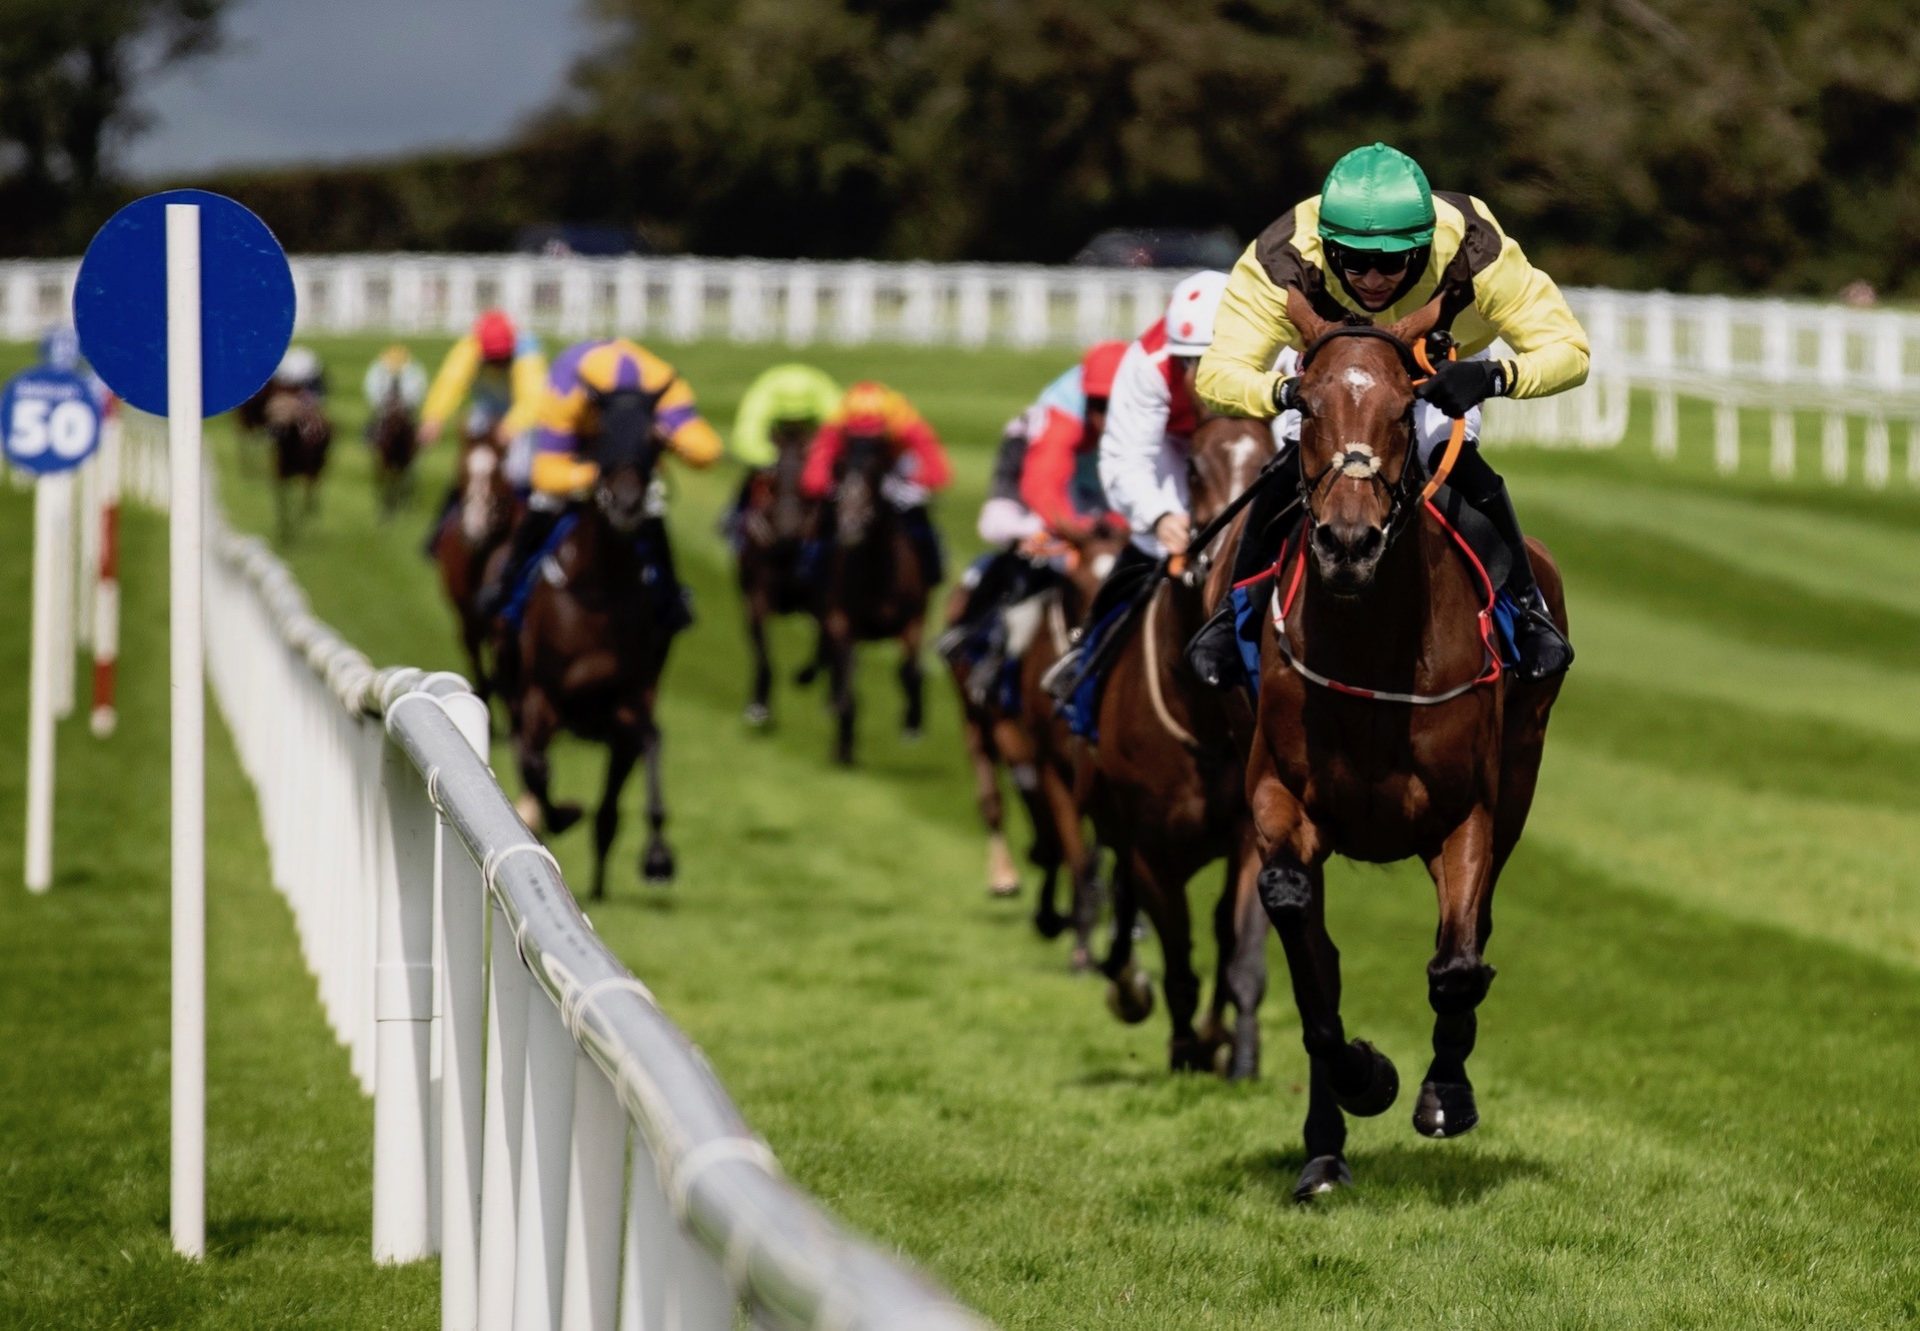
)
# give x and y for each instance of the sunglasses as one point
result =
(1372, 261)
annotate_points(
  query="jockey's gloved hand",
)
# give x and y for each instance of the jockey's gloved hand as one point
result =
(1286, 393)
(1459, 386)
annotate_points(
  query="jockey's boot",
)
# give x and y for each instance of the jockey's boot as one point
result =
(676, 608)
(926, 544)
(1214, 652)
(1124, 581)
(1544, 650)
(529, 534)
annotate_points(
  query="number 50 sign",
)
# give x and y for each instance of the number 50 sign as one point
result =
(49, 420)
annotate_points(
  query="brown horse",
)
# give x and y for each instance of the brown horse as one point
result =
(773, 521)
(1034, 745)
(1166, 792)
(1440, 762)
(394, 435)
(591, 647)
(300, 432)
(471, 537)
(874, 588)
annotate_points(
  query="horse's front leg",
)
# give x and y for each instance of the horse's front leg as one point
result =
(656, 864)
(536, 723)
(1457, 977)
(623, 750)
(912, 681)
(1346, 1077)
(759, 710)
(839, 648)
(1241, 937)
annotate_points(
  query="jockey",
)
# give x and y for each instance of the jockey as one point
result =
(1143, 459)
(1043, 483)
(300, 371)
(784, 397)
(872, 411)
(394, 375)
(504, 370)
(597, 388)
(1378, 242)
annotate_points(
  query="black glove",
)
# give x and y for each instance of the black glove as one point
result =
(1286, 393)
(1458, 386)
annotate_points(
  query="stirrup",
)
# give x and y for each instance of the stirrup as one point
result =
(1062, 677)
(1543, 648)
(948, 644)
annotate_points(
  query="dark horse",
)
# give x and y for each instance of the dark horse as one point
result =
(1386, 729)
(874, 587)
(591, 647)
(471, 537)
(1023, 734)
(1166, 793)
(298, 427)
(773, 521)
(394, 435)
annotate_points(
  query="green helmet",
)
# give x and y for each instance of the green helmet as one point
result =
(1376, 198)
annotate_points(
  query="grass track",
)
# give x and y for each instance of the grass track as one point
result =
(1696, 1069)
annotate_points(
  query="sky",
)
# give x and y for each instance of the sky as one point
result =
(327, 80)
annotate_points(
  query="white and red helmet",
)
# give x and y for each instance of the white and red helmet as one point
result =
(1190, 312)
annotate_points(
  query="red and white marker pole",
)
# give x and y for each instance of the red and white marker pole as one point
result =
(106, 593)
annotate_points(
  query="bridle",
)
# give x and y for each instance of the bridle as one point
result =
(1361, 463)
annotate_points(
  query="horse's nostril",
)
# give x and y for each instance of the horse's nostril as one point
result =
(1367, 544)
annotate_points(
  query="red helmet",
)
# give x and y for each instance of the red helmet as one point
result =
(1098, 367)
(495, 333)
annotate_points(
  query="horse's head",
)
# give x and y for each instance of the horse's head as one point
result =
(1223, 459)
(1358, 465)
(395, 429)
(857, 497)
(627, 449)
(486, 496)
(790, 440)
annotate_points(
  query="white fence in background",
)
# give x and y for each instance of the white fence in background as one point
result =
(539, 1122)
(1857, 371)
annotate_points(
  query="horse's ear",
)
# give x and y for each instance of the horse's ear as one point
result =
(1301, 314)
(1414, 328)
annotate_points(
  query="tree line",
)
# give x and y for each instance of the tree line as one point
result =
(1705, 145)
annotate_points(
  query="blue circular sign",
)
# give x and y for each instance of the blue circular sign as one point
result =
(48, 420)
(246, 302)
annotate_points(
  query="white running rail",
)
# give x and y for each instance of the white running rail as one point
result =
(538, 1121)
(1857, 371)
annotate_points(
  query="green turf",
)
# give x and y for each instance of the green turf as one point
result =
(1696, 1072)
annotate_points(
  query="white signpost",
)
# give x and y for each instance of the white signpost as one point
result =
(50, 426)
(164, 273)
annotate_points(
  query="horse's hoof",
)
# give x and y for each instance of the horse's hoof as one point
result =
(1050, 924)
(757, 715)
(1382, 1087)
(911, 734)
(805, 675)
(1189, 1054)
(1079, 961)
(1445, 1109)
(656, 866)
(563, 817)
(1004, 888)
(1242, 1064)
(1130, 998)
(1323, 1174)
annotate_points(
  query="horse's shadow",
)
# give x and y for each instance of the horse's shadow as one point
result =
(234, 1236)
(1440, 1174)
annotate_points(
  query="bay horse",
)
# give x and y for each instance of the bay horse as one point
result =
(301, 434)
(590, 648)
(773, 521)
(394, 435)
(874, 588)
(1032, 743)
(1166, 792)
(471, 537)
(1386, 727)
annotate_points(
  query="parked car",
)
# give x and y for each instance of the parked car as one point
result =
(1125, 247)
